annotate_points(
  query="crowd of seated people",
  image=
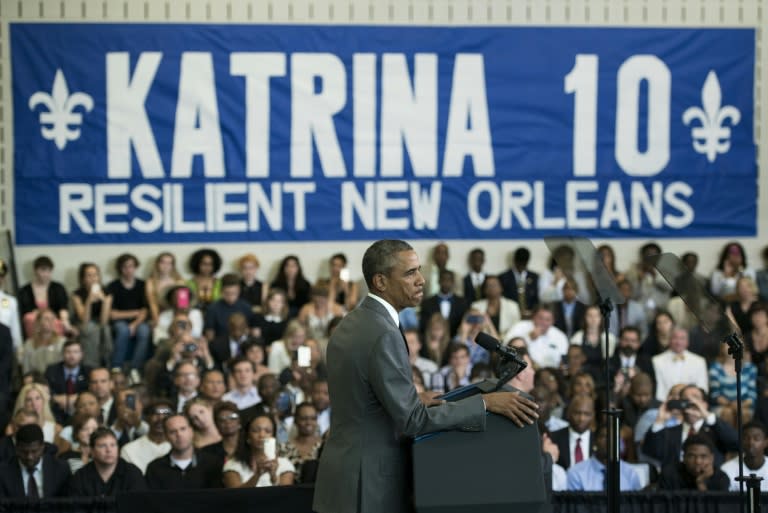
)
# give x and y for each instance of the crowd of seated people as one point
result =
(218, 380)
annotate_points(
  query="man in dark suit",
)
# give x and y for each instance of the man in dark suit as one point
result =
(364, 464)
(697, 470)
(446, 303)
(575, 441)
(33, 474)
(627, 357)
(665, 443)
(67, 378)
(226, 346)
(473, 280)
(101, 385)
(6, 363)
(520, 284)
(569, 313)
(7, 442)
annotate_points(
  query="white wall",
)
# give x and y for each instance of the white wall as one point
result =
(646, 13)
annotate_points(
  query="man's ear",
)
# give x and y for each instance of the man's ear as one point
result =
(380, 282)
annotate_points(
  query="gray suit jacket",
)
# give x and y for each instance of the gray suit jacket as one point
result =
(364, 466)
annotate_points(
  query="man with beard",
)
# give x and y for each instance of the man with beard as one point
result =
(627, 360)
(697, 471)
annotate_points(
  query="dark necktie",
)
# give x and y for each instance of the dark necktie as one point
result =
(400, 327)
(70, 385)
(32, 492)
(578, 454)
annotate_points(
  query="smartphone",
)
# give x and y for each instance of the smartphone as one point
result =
(475, 319)
(305, 356)
(130, 401)
(270, 448)
(182, 298)
(95, 288)
(344, 274)
(190, 348)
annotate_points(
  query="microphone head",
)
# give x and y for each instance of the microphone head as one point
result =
(486, 341)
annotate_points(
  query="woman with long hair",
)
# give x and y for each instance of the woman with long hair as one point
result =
(290, 278)
(731, 266)
(256, 462)
(658, 339)
(746, 296)
(437, 336)
(274, 316)
(44, 345)
(205, 285)
(164, 276)
(92, 307)
(200, 414)
(34, 397)
(79, 453)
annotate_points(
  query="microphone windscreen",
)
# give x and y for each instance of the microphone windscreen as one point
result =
(486, 341)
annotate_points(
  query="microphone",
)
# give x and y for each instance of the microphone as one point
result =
(510, 364)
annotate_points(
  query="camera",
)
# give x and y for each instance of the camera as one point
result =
(678, 404)
(190, 348)
(130, 401)
(475, 319)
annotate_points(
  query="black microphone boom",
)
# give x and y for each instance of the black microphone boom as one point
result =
(510, 364)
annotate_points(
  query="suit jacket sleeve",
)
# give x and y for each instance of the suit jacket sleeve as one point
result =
(654, 443)
(392, 383)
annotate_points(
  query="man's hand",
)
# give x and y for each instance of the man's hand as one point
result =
(547, 445)
(701, 479)
(428, 398)
(512, 405)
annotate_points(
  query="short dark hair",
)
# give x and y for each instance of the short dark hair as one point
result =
(455, 347)
(380, 258)
(224, 406)
(237, 360)
(71, 342)
(29, 433)
(42, 262)
(230, 280)
(101, 432)
(149, 408)
(755, 424)
(522, 255)
(174, 415)
(699, 439)
(122, 259)
(627, 329)
(340, 256)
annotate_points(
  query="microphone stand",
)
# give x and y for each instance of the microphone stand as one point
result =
(612, 474)
(509, 366)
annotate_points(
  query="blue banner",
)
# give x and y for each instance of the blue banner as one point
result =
(128, 133)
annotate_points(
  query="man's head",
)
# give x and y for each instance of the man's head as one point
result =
(440, 255)
(446, 281)
(521, 258)
(30, 445)
(237, 326)
(126, 265)
(155, 413)
(226, 416)
(581, 413)
(458, 355)
(269, 388)
(242, 372)
(104, 449)
(678, 340)
(392, 271)
(543, 318)
(321, 399)
(600, 444)
(178, 432)
(641, 390)
(698, 454)
(575, 358)
(570, 289)
(100, 384)
(629, 341)
(625, 287)
(212, 385)
(186, 377)
(476, 260)
(72, 353)
(754, 440)
(690, 261)
(230, 288)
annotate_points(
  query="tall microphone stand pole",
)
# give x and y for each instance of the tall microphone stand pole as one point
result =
(612, 417)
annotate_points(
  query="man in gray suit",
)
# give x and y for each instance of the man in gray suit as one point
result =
(376, 409)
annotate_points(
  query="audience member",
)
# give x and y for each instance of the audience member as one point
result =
(341, 290)
(9, 313)
(608, 256)
(218, 313)
(503, 313)
(205, 286)
(456, 374)
(627, 359)
(305, 446)
(35, 397)
(269, 391)
(426, 366)
(281, 350)
(226, 346)
(649, 286)
(129, 315)
(546, 344)
(274, 317)
(184, 467)
(438, 263)
(569, 311)
(472, 324)
(33, 474)
(638, 400)
(107, 474)
(321, 400)
(161, 280)
(575, 441)
(474, 279)
(252, 290)
(79, 453)
(8, 442)
(446, 302)
(678, 365)
(43, 347)
(227, 418)
(697, 471)
(590, 475)
(178, 300)
(754, 444)
(722, 387)
(186, 379)
(85, 404)
(628, 313)
(731, 267)
(212, 386)
(664, 443)
(761, 277)
(244, 394)
(152, 445)
(591, 338)
(200, 414)
(67, 378)
(256, 461)
(42, 293)
(744, 298)
(128, 425)
(437, 336)
(290, 279)
(657, 340)
(93, 307)
(317, 314)
(520, 284)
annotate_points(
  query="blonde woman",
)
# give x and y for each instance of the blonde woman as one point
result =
(200, 413)
(164, 275)
(43, 348)
(34, 397)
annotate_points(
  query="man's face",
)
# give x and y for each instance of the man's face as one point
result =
(446, 282)
(29, 454)
(269, 387)
(404, 285)
(156, 418)
(476, 261)
(754, 442)
(440, 255)
(581, 413)
(72, 355)
(320, 397)
(187, 378)
(678, 342)
(213, 386)
(238, 327)
(543, 320)
(641, 395)
(243, 373)
(179, 433)
(459, 359)
(105, 451)
(697, 458)
(629, 343)
(569, 292)
(230, 294)
(100, 384)
(227, 422)
(626, 289)
(128, 269)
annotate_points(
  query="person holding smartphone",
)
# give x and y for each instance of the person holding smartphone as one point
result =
(256, 462)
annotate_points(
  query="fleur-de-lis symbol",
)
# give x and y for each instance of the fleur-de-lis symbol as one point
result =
(56, 122)
(712, 137)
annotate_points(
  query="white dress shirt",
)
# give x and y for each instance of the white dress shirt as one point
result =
(37, 474)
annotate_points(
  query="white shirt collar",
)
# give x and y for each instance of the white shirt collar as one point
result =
(390, 309)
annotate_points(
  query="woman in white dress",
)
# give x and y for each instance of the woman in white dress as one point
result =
(255, 463)
(34, 397)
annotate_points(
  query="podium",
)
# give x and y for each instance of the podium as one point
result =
(494, 471)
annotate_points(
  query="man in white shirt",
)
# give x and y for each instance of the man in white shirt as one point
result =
(678, 365)
(101, 385)
(754, 442)
(546, 344)
(425, 365)
(244, 394)
(143, 450)
(186, 379)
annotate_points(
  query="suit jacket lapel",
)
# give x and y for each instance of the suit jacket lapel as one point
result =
(379, 309)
